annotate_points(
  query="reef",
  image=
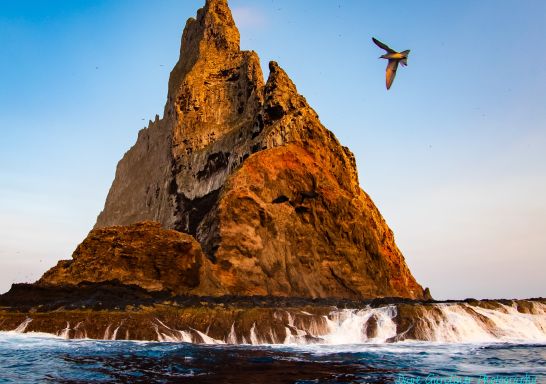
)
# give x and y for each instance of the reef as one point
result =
(114, 311)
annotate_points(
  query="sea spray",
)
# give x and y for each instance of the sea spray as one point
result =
(23, 326)
(457, 322)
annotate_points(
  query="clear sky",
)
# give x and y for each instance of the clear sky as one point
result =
(454, 155)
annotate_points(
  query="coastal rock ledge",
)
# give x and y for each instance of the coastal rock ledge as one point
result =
(238, 190)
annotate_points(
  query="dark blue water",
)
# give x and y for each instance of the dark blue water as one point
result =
(34, 359)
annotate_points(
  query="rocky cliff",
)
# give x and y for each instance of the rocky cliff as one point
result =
(247, 169)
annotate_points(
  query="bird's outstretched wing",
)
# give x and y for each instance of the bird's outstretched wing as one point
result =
(391, 72)
(382, 45)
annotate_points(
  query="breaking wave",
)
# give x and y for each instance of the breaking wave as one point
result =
(442, 323)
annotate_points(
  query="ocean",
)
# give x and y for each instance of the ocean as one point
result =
(39, 358)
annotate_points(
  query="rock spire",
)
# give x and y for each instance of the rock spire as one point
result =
(247, 169)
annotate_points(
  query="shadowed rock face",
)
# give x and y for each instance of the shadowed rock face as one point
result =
(178, 162)
(248, 170)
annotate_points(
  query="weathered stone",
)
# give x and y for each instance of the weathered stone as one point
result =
(321, 241)
(249, 171)
(142, 254)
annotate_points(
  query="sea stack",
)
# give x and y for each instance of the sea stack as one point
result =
(238, 190)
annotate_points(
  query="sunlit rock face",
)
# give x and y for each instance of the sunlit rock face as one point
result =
(142, 254)
(247, 168)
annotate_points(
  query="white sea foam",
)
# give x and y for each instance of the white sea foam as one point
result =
(65, 333)
(438, 323)
(207, 339)
(23, 326)
(448, 323)
(232, 337)
(350, 326)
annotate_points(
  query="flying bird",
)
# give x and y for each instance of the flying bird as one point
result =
(394, 58)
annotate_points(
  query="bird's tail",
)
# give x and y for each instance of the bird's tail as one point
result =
(404, 61)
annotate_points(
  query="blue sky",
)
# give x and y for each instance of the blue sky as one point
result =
(454, 155)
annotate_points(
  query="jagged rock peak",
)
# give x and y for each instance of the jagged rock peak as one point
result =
(216, 25)
(248, 170)
(212, 31)
(278, 79)
(280, 94)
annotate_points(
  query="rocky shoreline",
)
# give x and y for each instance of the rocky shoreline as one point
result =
(113, 295)
(114, 311)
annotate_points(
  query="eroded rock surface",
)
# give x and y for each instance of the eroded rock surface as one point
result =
(142, 254)
(248, 170)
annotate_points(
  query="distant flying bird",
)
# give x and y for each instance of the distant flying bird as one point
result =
(394, 58)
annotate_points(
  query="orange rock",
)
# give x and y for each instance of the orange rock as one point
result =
(248, 170)
(142, 254)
